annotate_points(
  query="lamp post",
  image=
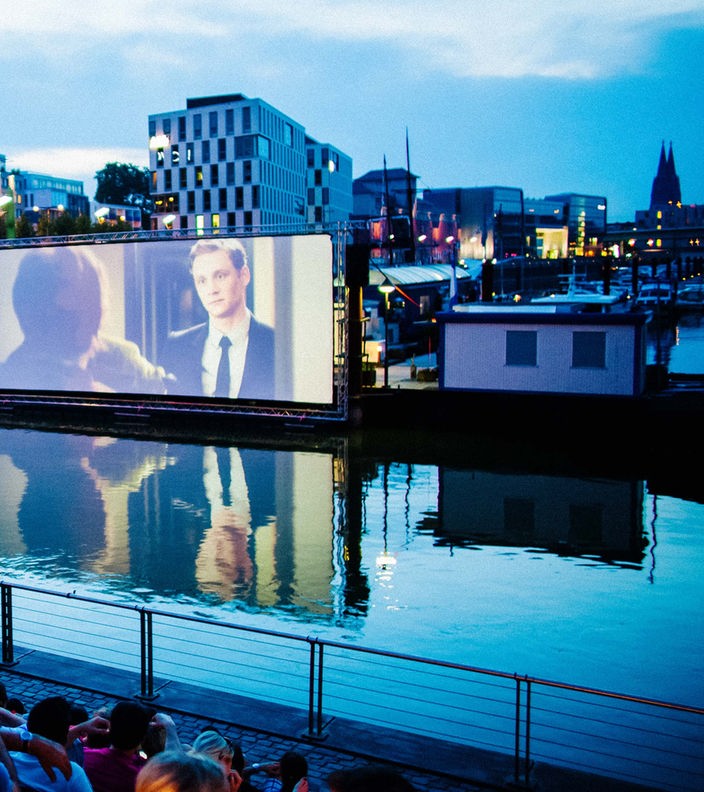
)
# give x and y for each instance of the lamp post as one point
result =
(450, 240)
(386, 288)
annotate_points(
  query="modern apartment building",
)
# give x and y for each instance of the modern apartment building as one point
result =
(329, 183)
(238, 163)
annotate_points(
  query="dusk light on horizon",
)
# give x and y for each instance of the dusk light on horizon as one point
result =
(555, 97)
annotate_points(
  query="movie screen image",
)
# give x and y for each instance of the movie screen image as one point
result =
(222, 317)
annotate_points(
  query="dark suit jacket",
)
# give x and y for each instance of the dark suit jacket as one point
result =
(183, 354)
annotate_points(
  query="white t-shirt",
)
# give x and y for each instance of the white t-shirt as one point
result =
(31, 773)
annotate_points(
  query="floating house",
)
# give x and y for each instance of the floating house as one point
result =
(556, 349)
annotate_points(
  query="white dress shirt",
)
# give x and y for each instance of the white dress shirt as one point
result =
(238, 352)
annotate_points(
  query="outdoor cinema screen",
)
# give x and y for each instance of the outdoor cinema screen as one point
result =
(223, 317)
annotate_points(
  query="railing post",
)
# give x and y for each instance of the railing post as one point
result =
(315, 703)
(526, 760)
(517, 735)
(146, 654)
(8, 649)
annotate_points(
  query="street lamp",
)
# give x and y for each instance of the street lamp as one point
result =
(450, 240)
(386, 288)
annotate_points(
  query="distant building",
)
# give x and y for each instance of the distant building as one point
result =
(585, 218)
(238, 163)
(328, 182)
(37, 194)
(112, 214)
(491, 219)
(668, 231)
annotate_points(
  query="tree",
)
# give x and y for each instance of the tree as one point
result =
(124, 184)
(23, 228)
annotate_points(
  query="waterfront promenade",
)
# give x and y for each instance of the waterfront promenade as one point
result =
(265, 732)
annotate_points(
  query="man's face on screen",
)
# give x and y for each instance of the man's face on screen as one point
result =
(221, 287)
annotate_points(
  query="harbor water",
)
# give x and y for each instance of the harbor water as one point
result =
(583, 578)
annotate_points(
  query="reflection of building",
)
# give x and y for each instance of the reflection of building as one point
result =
(230, 161)
(570, 516)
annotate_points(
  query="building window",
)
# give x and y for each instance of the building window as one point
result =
(239, 197)
(215, 222)
(255, 196)
(206, 201)
(247, 221)
(230, 173)
(231, 219)
(588, 349)
(183, 178)
(288, 134)
(247, 171)
(167, 126)
(214, 175)
(246, 119)
(521, 348)
(152, 127)
(167, 179)
(318, 214)
(191, 201)
(229, 121)
(310, 153)
(197, 126)
(175, 156)
(181, 127)
(189, 152)
(311, 196)
(222, 198)
(205, 151)
(213, 120)
(318, 177)
(200, 224)
(199, 176)
(222, 149)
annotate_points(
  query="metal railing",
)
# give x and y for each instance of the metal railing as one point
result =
(525, 720)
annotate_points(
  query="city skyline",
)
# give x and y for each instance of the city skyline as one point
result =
(563, 99)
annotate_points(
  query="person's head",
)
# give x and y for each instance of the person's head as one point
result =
(292, 768)
(58, 299)
(176, 771)
(129, 722)
(221, 274)
(16, 706)
(50, 718)
(78, 714)
(213, 744)
(368, 779)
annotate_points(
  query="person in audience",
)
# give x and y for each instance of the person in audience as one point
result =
(370, 778)
(211, 743)
(286, 775)
(50, 755)
(115, 768)
(49, 718)
(178, 771)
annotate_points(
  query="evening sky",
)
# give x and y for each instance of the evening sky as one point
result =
(551, 96)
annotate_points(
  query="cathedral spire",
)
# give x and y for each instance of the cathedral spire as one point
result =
(666, 184)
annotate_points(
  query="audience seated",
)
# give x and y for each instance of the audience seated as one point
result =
(211, 743)
(178, 771)
(48, 718)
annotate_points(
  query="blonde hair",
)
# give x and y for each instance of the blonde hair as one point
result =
(176, 771)
(213, 744)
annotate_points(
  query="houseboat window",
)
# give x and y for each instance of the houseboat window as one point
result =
(588, 349)
(521, 348)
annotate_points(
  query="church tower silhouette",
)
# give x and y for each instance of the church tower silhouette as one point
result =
(666, 184)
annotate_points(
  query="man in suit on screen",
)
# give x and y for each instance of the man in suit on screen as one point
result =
(231, 356)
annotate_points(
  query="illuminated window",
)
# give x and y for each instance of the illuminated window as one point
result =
(200, 224)
(175, 156)
(215, 221)
(199, 176)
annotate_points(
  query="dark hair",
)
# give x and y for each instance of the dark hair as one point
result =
(78, 714)
(371, 778)
(233, 247)
(16, 706)
(292, 767)
(50, 718)
(129, 722)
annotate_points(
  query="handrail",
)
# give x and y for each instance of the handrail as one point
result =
(565, 720)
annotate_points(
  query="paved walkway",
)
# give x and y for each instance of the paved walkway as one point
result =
(258, 745)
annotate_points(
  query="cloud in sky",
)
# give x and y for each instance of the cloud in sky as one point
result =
(563, 39)
(552, 96)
